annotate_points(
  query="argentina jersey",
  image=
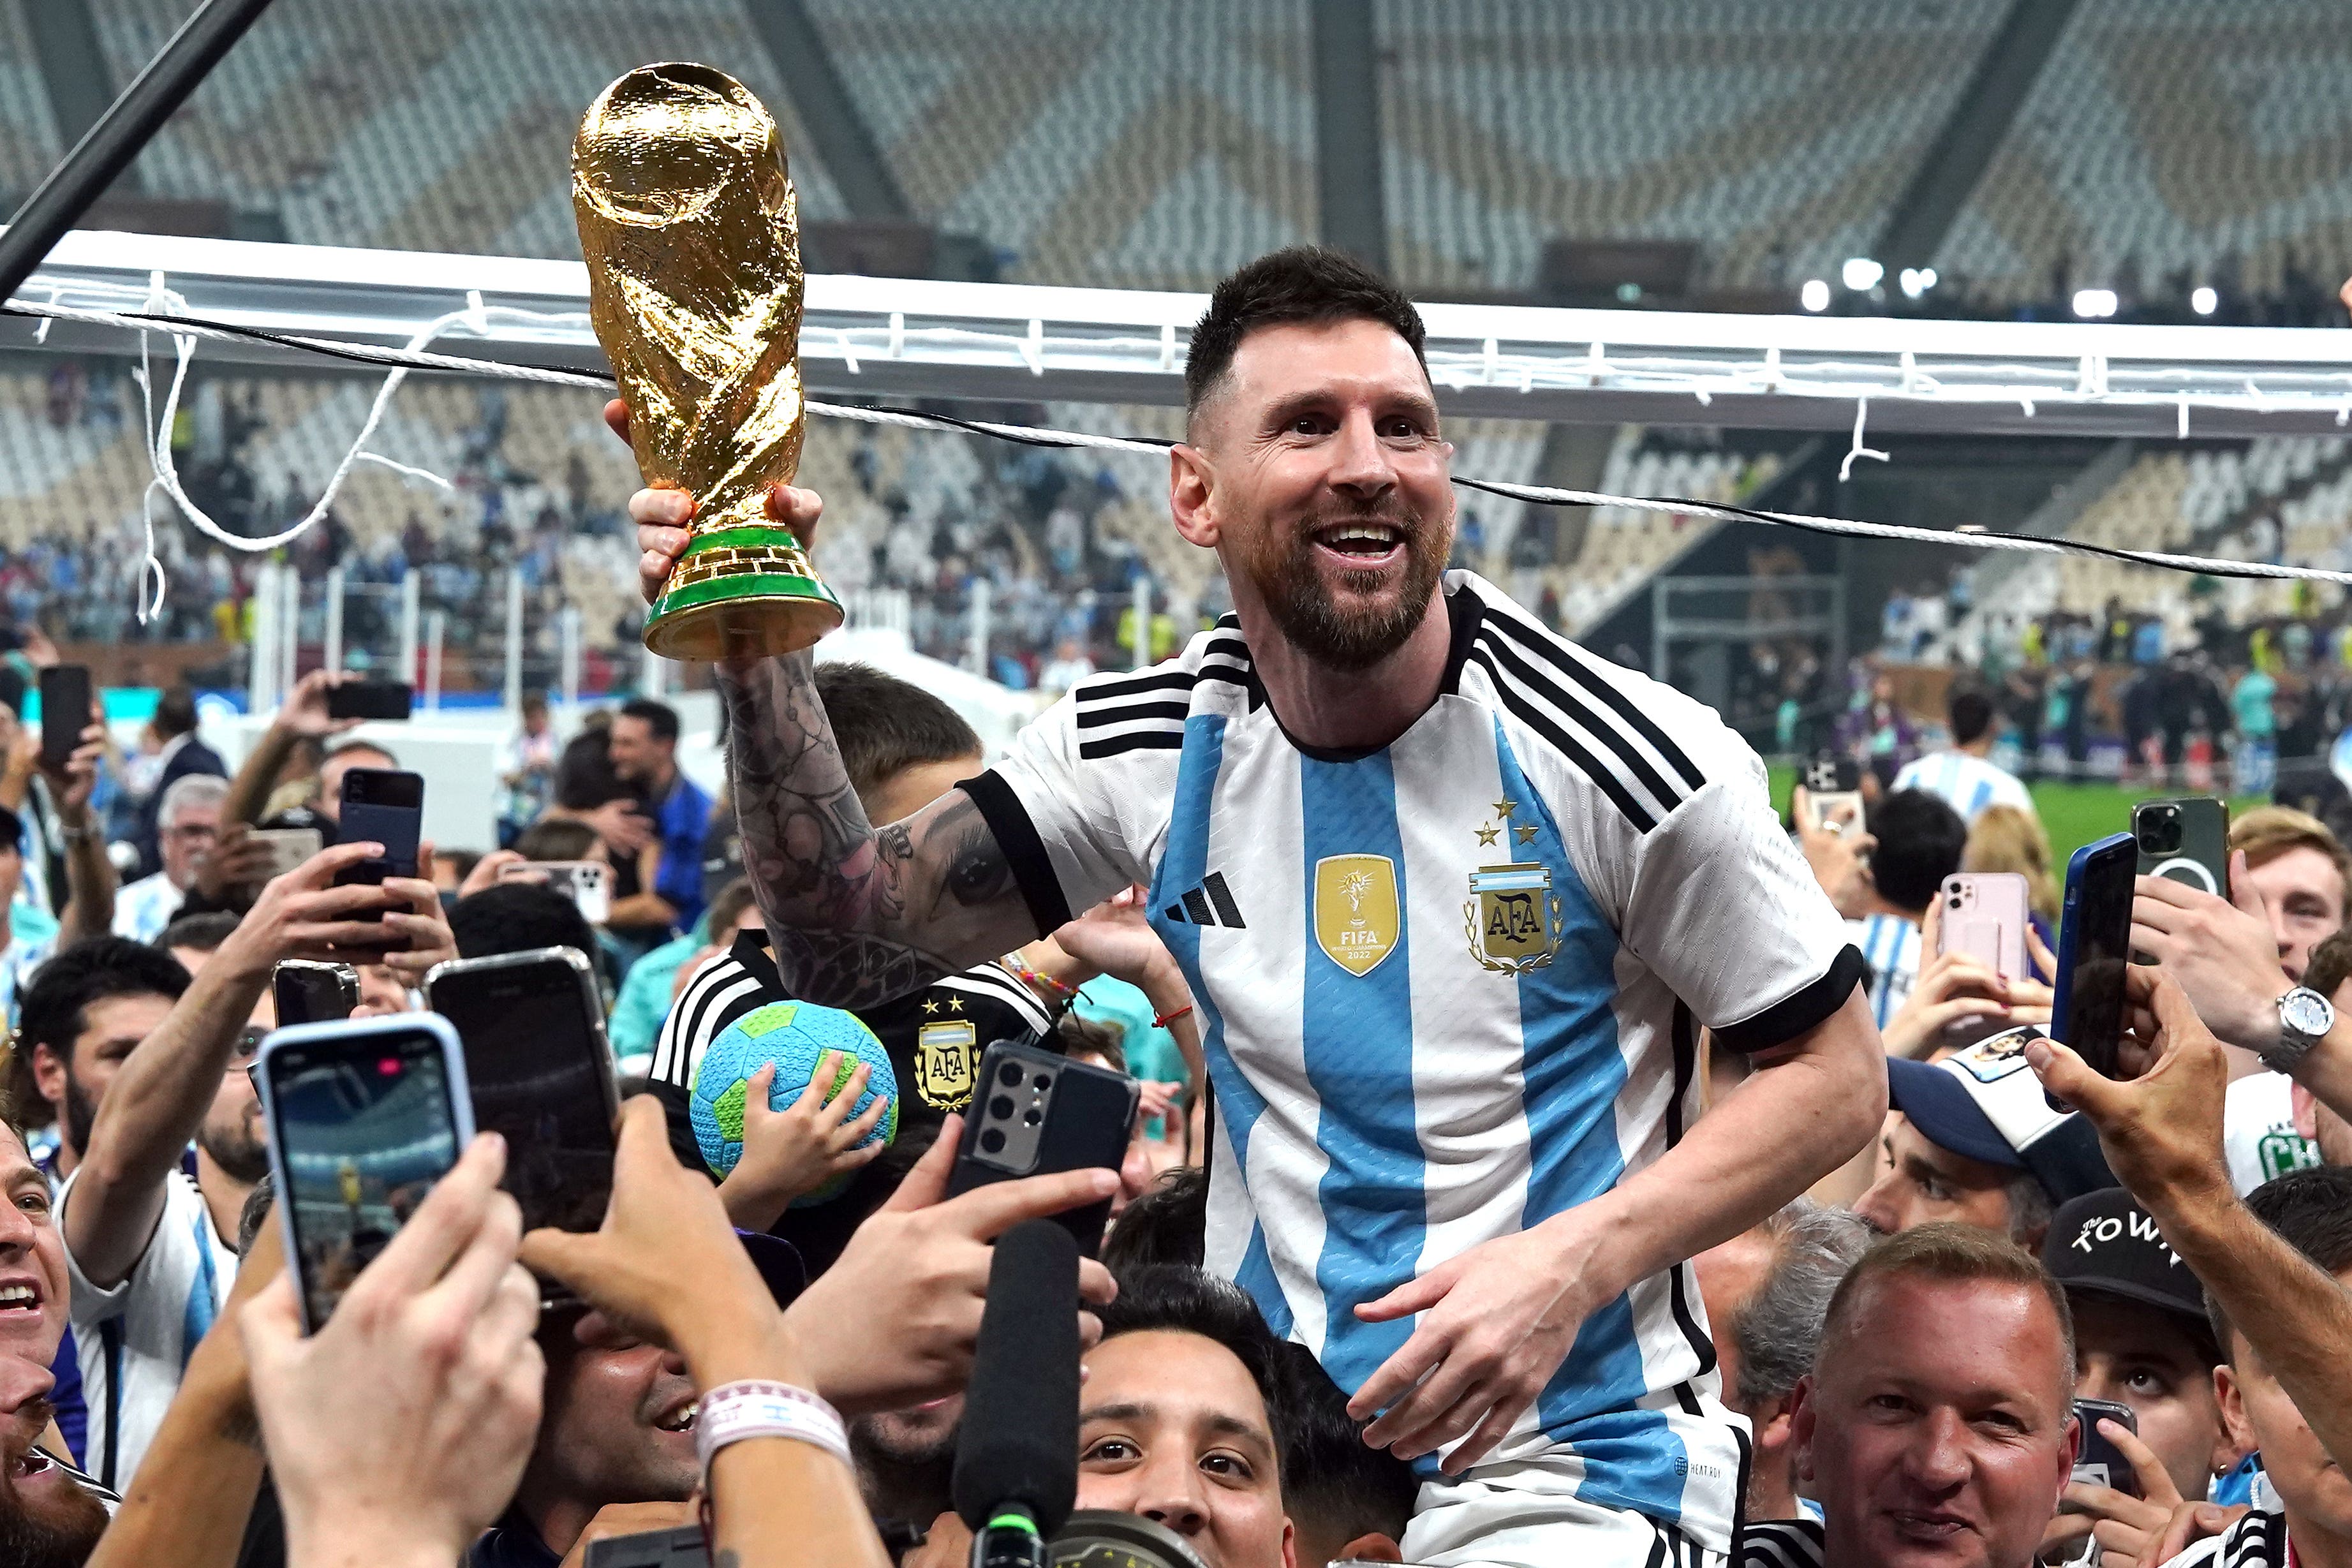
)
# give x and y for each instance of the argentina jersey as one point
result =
(1449, 988)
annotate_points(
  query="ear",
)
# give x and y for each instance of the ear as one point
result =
(1372, 1548)
(2231, 1396)
(1290, 1545)
(49, 1073)
(1803, 1413)
(2306, 1110)
(2068, 1449)
(1190, 482)
(1776, 1430)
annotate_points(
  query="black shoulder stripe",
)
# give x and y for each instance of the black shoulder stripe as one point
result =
(1568, 745)
(1624, 751)
(1138, 740)
(1133, 686)
(1095, 718)
(1226, 673)
(1623, 706)
(1025, 852)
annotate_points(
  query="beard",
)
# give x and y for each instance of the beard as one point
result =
(59, 1531)
(1340, 630)
(241, 1156)
(81, 1114)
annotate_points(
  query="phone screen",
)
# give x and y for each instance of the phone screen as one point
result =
(2097, 942)
(2099, 1461)
(542, 1076)
(313, 992)
(362, 1127)
(65, 712)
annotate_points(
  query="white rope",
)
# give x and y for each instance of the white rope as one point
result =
(478, 320)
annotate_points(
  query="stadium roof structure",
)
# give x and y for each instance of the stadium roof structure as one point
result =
(893, 338)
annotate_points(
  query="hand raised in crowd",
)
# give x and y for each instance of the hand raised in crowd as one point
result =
(2161, 1128)
(398, 1431)
(1840, 861)
(485, 872)
(417, 915)
(1960, 998)
(893, 1323)
(2125, 1526)
(304, 711)
(2190, 1523)
(662, 516)
(78, 779)
(2223, 951)
(791, 1152)
(235, 868)
(302, 915)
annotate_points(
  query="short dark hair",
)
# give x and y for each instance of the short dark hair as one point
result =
(1079, 1037)
(2311, 1211)
(175, 711)
(198, 932)
(1167, 1225)
(96, 969)
(660, 717)
(344, 748)
(516, 916)
(1304, 284)
(1920, 839)
(882, 725)
(556, 838)
(1971, 711)
(1335, 1486)
(1172, 1299)
(2330, 964)
(727, 907)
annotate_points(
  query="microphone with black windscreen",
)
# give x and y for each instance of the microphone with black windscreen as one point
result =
(1016, 1466)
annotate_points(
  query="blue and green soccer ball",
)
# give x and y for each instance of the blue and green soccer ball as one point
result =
(793, 1035)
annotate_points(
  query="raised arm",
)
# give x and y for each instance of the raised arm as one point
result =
(89, 875)
(303, 716)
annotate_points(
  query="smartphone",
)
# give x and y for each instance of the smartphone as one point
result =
(387, 807)
(681, 1547)
(2098, 1461)
(364, 1117)
(1833, 785)
(1037, 1112)
(2186, 840)
(309, 993)
(542, 1076)
(289, 847)
(587, 883)
(369, 700)
(65, 712)
(2094, 946)
(1985, 916)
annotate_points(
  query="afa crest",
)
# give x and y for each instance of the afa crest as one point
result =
(947, 1059)
(1513, 915)
(1356, 915)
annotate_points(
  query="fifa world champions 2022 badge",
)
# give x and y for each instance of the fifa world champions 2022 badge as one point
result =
(1512, 915)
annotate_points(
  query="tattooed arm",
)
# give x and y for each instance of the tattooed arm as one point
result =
(857, 914)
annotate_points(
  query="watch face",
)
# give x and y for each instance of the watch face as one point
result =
(2306, 1013)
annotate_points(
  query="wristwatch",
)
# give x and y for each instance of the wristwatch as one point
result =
(2304, 1018)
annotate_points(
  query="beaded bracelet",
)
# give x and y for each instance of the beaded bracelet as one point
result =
(734, 1411)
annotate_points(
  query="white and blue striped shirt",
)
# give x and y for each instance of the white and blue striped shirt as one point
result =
(1966, 783)
(143, 908)
(1890, 947)
(1449, 988)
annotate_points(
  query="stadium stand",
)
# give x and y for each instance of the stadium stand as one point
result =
(29, 129)
(1777, 136)
(2205, 135)
(1123, 146)
(424, 124)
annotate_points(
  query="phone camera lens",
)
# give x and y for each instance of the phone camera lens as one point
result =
(1044, 1081)
(991, 1142)
(1011, 1075)
(1953, 902)
(1035, 1116)
(999, 1109)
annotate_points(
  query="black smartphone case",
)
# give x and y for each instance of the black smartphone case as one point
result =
(65, 689)
(1092, 1114)
(2204, 843)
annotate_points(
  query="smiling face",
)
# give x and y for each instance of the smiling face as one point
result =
(1953, 1459)
(32, 1260)
(617, 1427)
(46, 1518)
(2305, 895)
(1171, 1427)
(1316, 470)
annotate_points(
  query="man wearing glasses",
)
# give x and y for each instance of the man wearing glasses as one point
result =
(188, 824)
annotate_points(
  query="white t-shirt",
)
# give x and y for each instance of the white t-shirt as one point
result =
(143, 908)
(1967, 784)
(134, 1341)
(2258, 1133)
(1448, 988)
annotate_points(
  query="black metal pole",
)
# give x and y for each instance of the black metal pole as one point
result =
(127, 126)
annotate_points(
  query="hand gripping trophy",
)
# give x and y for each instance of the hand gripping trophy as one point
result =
(688, 219)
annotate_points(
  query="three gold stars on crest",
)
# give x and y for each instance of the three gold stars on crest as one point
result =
(1503, 808)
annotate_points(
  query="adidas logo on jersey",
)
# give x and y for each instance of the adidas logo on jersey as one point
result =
(1210, 904)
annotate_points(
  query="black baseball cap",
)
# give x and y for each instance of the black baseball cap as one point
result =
(1985, 1103)
(2105, 1244)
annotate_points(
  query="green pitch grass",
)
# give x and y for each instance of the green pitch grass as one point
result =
(2073, 814)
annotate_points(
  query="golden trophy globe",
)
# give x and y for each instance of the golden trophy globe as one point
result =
(688, 219)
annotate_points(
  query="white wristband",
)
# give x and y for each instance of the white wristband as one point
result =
(734, 1411)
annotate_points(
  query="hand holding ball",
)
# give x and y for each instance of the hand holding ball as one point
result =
(795, 1036)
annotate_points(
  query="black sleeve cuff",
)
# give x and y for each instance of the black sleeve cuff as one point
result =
(1784, 1021)
(678, 1112)
(1025, 852)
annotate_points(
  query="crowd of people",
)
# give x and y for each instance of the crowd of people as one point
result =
(1674, 1198)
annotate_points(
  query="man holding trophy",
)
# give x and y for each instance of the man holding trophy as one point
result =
(1454, 897)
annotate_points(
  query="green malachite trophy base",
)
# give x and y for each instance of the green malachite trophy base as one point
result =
(740, 593)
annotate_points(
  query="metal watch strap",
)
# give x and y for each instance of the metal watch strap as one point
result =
(2295, 1044)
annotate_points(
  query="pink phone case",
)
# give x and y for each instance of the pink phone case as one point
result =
(1985, 915)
